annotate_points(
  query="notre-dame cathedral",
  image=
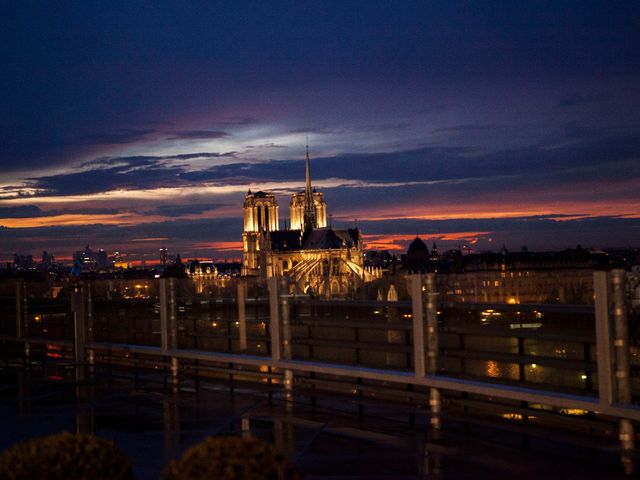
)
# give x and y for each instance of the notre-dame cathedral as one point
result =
(318, 259)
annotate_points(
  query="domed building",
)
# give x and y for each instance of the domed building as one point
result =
(417, 258)
(316, 258)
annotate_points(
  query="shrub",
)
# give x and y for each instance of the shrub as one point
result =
(231, 458)
(65, 456)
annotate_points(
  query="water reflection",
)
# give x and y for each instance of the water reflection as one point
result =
(152, 425)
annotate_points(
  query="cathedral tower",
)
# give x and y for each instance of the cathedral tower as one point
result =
(260, 218)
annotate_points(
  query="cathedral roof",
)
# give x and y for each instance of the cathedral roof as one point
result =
(284, 240)
(350, 235)
(322, 239)
(316, 239)
(328, 238)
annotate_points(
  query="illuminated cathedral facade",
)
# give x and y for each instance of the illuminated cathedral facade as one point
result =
(316, 258)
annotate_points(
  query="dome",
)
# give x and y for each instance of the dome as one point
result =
(417, 247)
(417, 258)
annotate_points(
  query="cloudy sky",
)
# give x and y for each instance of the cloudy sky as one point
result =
(137, 125)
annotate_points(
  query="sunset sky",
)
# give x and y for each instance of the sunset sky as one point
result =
(138, 125)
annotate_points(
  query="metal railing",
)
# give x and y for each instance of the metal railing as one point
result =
(281, 338)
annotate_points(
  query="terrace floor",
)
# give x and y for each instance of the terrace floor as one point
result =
(326, 441)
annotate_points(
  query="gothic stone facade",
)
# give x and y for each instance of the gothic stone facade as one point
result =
(316, 258)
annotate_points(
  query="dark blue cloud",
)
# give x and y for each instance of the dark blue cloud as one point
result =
(103, 72)
(584, 155)
(33, 211)
(575, 98)
(448, 163)
(22, 211)
(128, 135)
(185, 236)
(104, 174)
(198, 134)
(468, 128)
(374, 128)
(180, 210)
(190, 156)
(100, 180)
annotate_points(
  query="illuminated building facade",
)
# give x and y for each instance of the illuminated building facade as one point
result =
(22, 262)
(260, 218)
(509, 277)
(163, 256)
(296, 209)
(91, 260)
(203, 273)
(573, 286)
(316, 258)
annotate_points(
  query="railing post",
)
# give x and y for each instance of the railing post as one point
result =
(274, 319)
(168, 320)
(164, 315)
(417, 307)
(286, 324)
(90, 353)
(242, 314)
(280, 333)
(19, 308)
(623, 370)
(393, 336)
(173, 333)
(435, 401)
(22, 318)
(621, 336)
(286, 338)
(603, 337)
(168, 325)
(173, 317)
(79, 311)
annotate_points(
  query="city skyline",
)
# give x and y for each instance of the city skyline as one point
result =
(134, 127)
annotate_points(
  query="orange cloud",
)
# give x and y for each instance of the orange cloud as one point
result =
(220, 246)
(399, 242)
(150, 239)
(74, 219)
(573, 210)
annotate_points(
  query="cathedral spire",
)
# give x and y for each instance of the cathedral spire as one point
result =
(307, 190)
(309, 206)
